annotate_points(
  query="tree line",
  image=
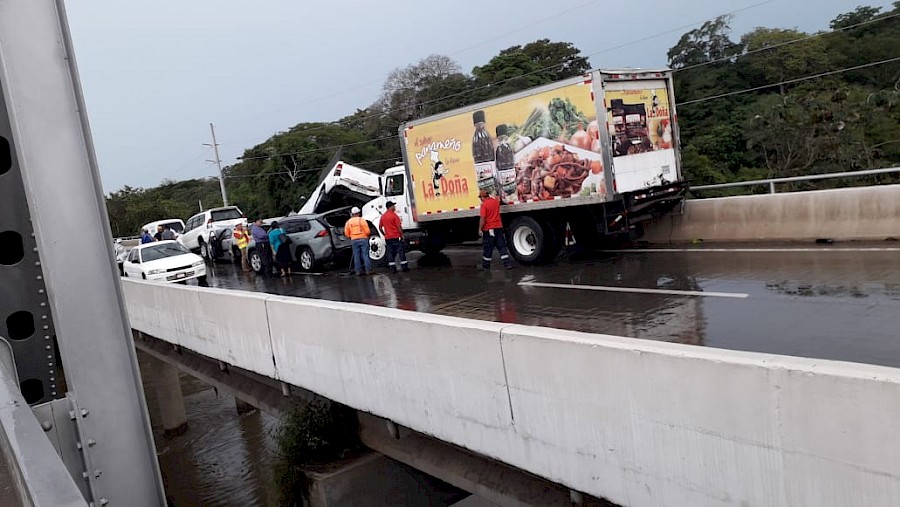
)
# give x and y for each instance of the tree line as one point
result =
(746, 107)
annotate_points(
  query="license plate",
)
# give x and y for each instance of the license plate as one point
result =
(180, 275)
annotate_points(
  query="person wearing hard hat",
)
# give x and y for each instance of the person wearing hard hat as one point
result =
(358, 231)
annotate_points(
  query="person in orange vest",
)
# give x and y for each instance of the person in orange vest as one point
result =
(241, 240)
(392, 228)
(358, 231)
(490, 228)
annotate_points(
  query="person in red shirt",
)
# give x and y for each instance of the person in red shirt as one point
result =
(392, 229)
(490, 228)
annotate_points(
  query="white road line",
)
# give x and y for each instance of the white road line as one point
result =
(736, 295)
(752, 250)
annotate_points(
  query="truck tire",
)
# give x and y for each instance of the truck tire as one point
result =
(433, 244)
(529, 241)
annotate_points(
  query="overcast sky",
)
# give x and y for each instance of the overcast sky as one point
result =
(155, 74)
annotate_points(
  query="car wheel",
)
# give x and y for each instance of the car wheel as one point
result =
(256, 261)
(204, 250)
(307, 259)
(202, 280)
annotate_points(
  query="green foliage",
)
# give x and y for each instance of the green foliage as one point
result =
(845, 122)
(316, 433)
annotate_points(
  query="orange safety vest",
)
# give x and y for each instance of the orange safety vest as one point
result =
(356, 228)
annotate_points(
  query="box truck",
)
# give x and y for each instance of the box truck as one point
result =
(585, 158)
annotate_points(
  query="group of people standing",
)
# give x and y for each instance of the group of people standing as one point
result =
(275, 243)
(163, 233)
(271, 244)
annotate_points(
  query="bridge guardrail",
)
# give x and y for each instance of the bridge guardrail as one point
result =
(771, 182)
(638, 422)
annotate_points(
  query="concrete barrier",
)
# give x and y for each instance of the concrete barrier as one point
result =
(859, 213)
(638, 422)
(230, 326)
(646, 423)
(442, 376)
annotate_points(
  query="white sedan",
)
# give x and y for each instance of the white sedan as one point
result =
(164, 261)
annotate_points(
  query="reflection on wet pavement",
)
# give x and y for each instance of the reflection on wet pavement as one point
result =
(823, 304)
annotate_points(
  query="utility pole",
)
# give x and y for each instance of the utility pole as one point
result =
(218, 162)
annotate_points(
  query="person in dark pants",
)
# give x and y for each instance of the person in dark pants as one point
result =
(391, 227)
(263, 248)
(490, 228)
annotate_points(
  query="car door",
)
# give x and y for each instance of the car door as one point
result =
(298, 231)
(192, 232)
(131, 266)
(395, 191)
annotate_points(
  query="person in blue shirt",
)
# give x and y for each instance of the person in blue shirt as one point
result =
(280, 248)
(146, 237)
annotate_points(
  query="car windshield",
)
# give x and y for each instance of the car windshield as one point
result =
(175, 226)
(156, 252)
(225, 214)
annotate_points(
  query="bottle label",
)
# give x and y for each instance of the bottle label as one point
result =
(485, 172)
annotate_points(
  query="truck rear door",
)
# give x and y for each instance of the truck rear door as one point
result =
(641, 130)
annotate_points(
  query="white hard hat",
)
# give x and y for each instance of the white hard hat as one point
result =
(354, 211)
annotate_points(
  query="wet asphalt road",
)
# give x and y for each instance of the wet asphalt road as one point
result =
(824, 301)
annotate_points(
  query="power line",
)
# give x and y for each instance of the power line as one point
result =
(284, 173)
(790, 81)
(782, 44)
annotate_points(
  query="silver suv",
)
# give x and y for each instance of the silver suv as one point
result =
(201, 229)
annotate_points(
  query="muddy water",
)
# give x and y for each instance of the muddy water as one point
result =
(224, 459)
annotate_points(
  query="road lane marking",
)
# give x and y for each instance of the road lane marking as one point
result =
(753, 250)
(638, 290)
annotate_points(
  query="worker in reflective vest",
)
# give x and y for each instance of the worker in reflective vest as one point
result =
(241, 240)
(358, 231)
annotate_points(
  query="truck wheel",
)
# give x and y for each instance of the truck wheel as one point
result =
(433, 244)
(528, 241)
(377, 250)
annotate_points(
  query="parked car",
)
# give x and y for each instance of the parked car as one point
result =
(316, 240)
(165, 261)
(176, 224)
(202, 230)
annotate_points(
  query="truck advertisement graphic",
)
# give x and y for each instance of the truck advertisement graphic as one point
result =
(538, 147)
(640, 127)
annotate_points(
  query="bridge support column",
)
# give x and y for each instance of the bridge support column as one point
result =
(171, 400)
(243, 407)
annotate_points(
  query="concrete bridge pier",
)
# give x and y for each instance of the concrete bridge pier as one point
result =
(171, 400)
(242, 406)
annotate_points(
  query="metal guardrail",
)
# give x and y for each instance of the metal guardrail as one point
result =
(774, 181)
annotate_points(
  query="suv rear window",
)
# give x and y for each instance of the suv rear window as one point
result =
(175, 226)
(225, 214)
(337, 219)
(295, 226)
